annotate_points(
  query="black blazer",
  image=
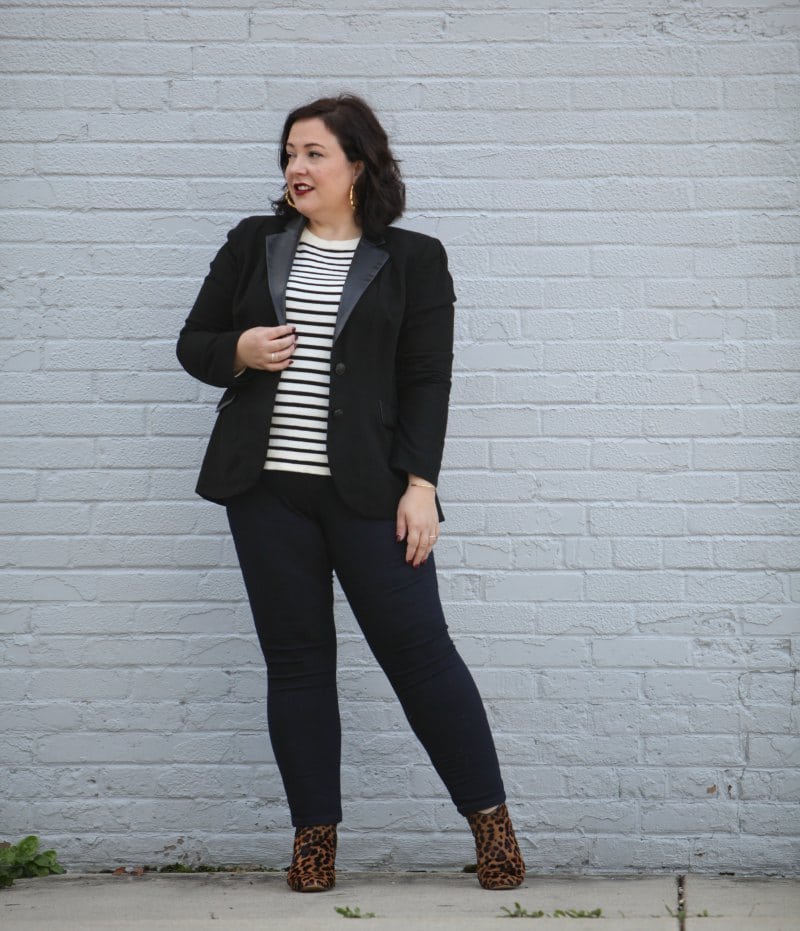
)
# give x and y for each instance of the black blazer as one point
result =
(391, 361)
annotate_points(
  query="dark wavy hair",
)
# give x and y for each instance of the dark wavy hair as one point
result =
(379, 190)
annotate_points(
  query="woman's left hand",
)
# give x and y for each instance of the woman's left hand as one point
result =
(418, 522)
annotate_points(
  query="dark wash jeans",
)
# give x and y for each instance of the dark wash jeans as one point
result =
(291, 532)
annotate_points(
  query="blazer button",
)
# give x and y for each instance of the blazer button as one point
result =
(341, 368)
(338, 412)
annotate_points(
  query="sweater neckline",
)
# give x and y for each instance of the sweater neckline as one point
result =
(343, 245)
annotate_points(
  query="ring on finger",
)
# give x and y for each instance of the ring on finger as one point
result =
(272, 357)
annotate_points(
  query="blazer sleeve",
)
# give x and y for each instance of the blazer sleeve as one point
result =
(207, 343)
(424, 364)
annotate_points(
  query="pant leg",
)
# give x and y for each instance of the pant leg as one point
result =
(288, 577)
(399, 610)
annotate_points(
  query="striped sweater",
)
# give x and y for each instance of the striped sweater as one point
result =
(299, 429)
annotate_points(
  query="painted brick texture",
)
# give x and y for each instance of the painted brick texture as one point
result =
(616, 185)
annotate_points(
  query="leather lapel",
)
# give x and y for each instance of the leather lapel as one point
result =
(368, 260)
(280, 249)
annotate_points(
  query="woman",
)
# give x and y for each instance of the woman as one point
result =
(332, 333)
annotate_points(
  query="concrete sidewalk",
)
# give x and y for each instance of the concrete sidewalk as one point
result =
(400, 901)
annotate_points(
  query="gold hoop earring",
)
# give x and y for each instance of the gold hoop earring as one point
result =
(288, 198)
(352, 196)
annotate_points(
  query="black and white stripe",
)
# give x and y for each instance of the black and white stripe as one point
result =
(299, 429)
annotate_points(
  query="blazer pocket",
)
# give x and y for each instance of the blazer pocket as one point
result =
(227, 399)
(388, 414)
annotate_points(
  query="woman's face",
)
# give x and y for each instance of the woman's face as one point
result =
(318, 173)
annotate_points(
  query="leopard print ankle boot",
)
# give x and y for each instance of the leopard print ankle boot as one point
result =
(500, 863)
(313, 859)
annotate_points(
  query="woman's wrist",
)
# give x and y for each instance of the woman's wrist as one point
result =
(414, 481)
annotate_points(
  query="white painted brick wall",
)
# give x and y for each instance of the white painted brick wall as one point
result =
(616, 184)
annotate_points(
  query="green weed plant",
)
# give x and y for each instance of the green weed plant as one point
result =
(23, 860)
(519, 912)
(346, 912)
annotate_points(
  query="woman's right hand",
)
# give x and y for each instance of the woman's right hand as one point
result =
(268, 348)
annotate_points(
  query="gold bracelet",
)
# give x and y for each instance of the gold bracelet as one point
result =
(422, 485)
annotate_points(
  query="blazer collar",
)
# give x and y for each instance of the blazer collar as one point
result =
(368, 260)
(281, 247)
